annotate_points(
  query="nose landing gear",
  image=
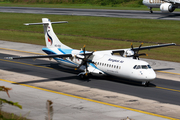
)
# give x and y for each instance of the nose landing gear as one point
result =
(146, 83)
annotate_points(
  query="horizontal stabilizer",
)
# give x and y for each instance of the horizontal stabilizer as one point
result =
(46, 23)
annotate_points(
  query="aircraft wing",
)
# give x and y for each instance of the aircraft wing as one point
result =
(154, 46)
(41, 56)
(144, 48)
(47, 56)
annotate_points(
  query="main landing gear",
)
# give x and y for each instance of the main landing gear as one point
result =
(150, 10)
(146, 83)
(83, 75)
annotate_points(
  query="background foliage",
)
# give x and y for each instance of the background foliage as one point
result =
(93, 2)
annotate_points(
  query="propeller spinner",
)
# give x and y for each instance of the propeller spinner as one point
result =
(136, 52)
(85, 61)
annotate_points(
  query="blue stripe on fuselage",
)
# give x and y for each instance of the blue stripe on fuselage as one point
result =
(64, 51)
(48, 51)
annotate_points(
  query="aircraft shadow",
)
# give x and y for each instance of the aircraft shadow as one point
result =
(49, 79)
(164, 69)
(56, 66)
(171, 15)
(90, 78)
(122, 81)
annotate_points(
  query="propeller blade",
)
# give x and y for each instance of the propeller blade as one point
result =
(131, 46)
(136, 55)
(139, 47)
(90, 54)
(84, 49)
(85, 60)
(82, 63)
(143, 54)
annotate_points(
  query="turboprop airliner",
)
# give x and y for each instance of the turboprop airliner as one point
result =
(166, 6)
(101, 63)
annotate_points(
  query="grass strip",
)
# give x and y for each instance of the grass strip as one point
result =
(131, 5)
(12, 116)
(98, 33)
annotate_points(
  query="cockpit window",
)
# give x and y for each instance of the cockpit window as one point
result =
(149, 66)
(135, 67)
(142, 67)
(138, 67)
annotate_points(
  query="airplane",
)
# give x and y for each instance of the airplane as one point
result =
(99, 63)
(166, 6)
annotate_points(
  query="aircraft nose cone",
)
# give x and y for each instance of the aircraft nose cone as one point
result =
(151, 75)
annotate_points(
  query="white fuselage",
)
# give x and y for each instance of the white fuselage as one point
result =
(153, 3)
(124, 68)
(107, 64)
(158, 3)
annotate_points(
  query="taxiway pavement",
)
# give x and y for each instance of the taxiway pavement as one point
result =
(95, 12)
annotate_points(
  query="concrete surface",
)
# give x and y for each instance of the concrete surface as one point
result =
(65, 107)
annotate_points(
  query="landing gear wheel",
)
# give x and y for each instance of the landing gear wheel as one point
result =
(146, 84)
(150, 10)
(83, 75)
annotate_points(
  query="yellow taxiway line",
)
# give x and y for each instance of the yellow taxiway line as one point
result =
(168, 72)
(113, 105)
(167, 89)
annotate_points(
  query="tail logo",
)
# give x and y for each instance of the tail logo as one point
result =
(50, 40)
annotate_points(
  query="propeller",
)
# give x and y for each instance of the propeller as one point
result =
(136, 51)
(85, 60)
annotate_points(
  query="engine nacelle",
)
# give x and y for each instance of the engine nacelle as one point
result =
(167, 8)
(128, 53)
